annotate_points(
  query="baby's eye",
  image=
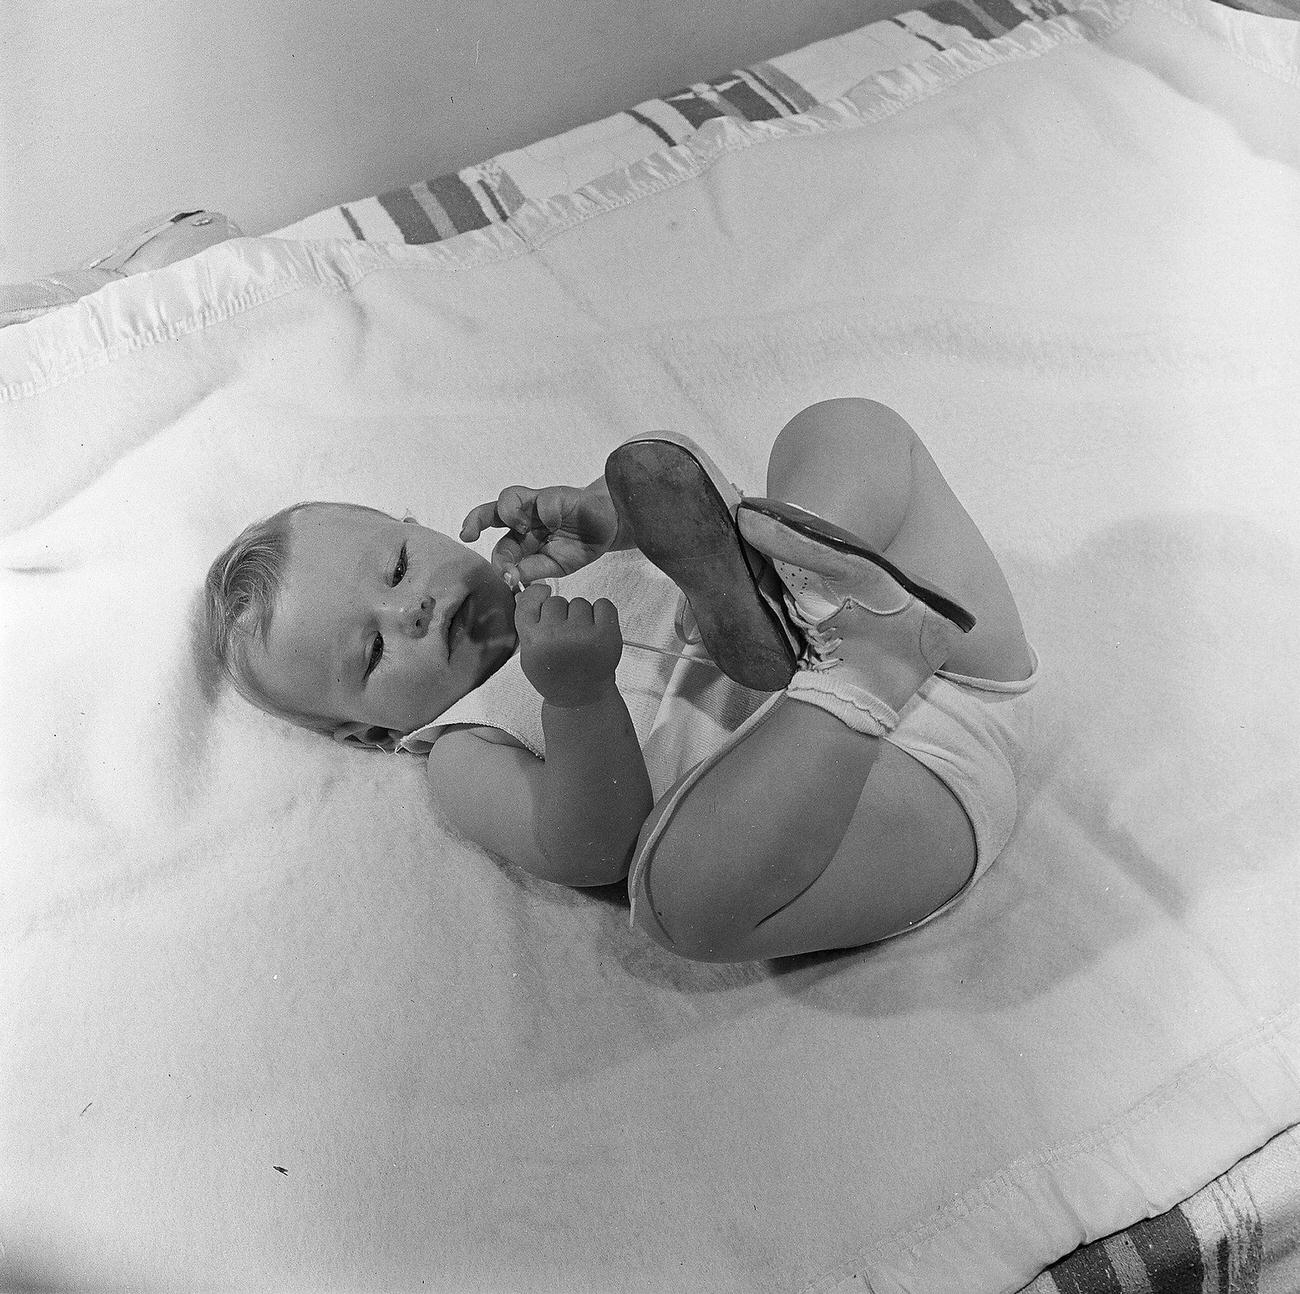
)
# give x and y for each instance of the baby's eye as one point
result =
(376, 652)
(400, 569)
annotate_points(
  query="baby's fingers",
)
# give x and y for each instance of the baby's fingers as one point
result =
(531, 567)
(511, 509)
(577, 612)
(509, 549)
(528, 605)
(477, 520)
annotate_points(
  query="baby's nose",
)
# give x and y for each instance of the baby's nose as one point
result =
(416, 617)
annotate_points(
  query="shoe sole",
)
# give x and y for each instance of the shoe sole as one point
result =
(680, 509)
(816, 532)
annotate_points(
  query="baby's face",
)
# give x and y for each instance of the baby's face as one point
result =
(381, 622)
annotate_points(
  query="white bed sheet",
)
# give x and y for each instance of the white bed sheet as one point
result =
(267, 1025)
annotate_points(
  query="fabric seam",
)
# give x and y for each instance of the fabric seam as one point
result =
(910, 1238)
(1179, 13)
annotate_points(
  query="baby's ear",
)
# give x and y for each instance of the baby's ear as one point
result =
(363, 734)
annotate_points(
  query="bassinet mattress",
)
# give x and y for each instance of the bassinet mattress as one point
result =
(1237, 1232)
(1165, 1250)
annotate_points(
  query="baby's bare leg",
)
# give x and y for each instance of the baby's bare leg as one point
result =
(807, 834)
(859, 464)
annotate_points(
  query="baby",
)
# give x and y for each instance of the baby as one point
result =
(875, 777)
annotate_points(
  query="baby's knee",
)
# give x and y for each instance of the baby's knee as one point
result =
(683, 935)
(679, 915)
(842, 431)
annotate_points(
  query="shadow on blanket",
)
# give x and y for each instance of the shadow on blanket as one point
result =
(1151, 639)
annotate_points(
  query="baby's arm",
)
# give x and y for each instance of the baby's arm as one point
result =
(573, 818)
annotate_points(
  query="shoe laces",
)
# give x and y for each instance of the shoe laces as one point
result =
(688, 634)
(811, 611)
(821, 642)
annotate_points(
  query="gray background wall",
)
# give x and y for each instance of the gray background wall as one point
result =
(115, 110)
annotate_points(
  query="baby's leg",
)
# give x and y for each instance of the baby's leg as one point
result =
(859, 464)
(805, 835)
(808, 834)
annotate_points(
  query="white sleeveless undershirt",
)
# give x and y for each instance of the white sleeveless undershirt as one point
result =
(682, 706)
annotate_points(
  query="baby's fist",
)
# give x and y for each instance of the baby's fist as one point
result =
(568, 649)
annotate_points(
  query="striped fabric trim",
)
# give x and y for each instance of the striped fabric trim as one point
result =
(491, 192)
(1159, 1253)
(649, 124)
(787, 89)
(1237, 1235)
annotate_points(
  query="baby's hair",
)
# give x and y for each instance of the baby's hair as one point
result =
(241, 589)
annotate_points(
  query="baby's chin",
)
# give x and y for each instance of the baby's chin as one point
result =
(492, 629)
(494, 657)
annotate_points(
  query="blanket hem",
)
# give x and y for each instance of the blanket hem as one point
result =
(1230, 27)
(1258, 1108)
(76, 341)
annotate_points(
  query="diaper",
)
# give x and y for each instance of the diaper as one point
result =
(973, 735)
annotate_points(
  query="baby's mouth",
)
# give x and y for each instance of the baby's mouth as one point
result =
(460, 621)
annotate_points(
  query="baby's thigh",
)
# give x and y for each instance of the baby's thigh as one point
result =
(849, 461)
(908, 847)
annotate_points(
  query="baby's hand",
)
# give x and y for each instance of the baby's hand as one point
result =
(568, 648)
(553, 531)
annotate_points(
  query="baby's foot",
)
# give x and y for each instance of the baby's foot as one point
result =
(873, 634)
(682, 510)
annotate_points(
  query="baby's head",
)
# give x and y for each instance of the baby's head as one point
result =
(345, 620)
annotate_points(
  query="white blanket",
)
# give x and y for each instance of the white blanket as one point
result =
(266, 1024)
